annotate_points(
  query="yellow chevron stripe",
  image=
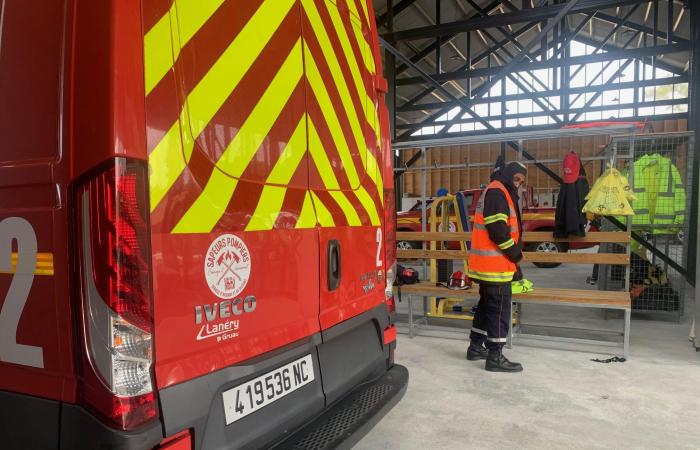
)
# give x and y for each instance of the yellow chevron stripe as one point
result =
(307, 216)
(210, 93)
(291, 156)
(352, 61)
(336, 72)
(367, 54)
(320, 158)
(211, 204)
(272, 197)
(319, 89)
(44, 264)
(166, 163)
(348, 210)
(325, 169)
(368, 204)
(325, 219)
(375, 175)
(158, 52)
(185, 18)
(269, 206)
(313, 76)
(365, 11)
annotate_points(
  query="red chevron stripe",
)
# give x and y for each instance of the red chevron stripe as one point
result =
(199, 55)
(346, 18)
(315, 181)
(153, 10)
(332, 206)
(359, 208)
(331, 88)
(192, 181)
(373, 192)
(366, 75)
(324, 133)
(291, 208)
(183, 193)
(338, 48)
(241, 207)
(370, 139)
(162, 110)
(247, 195)
(360, 11)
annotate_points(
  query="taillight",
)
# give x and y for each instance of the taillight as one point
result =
(389, 226)
(115, 293)
(390, 246)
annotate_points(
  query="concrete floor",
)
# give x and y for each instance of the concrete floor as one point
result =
(561, 400)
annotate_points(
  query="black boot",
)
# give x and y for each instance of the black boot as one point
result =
(496, 362)
(476, 351)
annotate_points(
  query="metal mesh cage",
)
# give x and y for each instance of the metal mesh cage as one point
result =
(660, 171)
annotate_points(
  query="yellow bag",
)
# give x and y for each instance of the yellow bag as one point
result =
(610, 195)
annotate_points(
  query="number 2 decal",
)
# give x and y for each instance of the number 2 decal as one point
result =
(379, 247)
(17, 229)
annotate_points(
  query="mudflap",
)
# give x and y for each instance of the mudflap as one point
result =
(342, 425)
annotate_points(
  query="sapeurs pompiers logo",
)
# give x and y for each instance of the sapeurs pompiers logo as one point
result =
(227, 266)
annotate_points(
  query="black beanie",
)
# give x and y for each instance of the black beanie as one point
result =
(512, 168)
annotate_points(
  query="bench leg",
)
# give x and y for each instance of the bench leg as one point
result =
(410, 316)
(626, 337)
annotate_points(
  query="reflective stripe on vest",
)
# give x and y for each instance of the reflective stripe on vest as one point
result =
(486, 260)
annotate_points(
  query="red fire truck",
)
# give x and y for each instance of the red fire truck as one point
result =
(196, 224)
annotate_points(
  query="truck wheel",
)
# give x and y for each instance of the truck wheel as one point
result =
(680, 236)
(407, 245)
(546, 247)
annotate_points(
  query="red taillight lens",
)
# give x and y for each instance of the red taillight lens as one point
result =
(181, 441)
(390, 226)
(390, 334)
(391, 304)
(115, 292)
(390, 246)
(120, 240)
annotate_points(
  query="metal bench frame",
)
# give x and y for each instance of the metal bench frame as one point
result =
(421, 325)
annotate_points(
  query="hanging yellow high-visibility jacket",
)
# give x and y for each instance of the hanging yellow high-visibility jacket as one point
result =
(661, 201)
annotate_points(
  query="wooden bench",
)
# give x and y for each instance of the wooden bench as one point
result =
(607, 300)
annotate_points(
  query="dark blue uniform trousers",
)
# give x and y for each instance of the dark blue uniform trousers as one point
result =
(492, 318)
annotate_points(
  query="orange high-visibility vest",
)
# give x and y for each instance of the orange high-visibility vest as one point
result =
(486, 259)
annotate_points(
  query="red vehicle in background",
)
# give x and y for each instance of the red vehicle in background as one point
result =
(197, 239)
(534, 218)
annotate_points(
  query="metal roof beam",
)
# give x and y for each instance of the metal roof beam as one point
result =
(611, 55)
(550, 93)
(660, 64)
(500, 44)
(571, 4)
(492, 21)
(446, 39)
(641, 27)
(398, 9)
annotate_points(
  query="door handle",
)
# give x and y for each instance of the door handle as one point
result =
(333, 261)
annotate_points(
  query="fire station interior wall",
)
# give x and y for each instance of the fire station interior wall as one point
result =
(544, 149)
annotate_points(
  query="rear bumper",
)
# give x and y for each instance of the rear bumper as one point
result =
(343, 424)
(28, 422)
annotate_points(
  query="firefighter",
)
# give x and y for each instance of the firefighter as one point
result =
(496, 250)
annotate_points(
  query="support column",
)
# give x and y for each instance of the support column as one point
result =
(694, 125)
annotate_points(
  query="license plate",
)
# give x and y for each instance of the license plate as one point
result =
(259, 392)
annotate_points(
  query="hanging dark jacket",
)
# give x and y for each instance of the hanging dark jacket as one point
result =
(568, 218)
